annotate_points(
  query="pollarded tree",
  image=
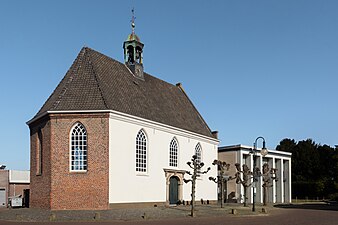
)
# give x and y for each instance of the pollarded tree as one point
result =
(244, 179)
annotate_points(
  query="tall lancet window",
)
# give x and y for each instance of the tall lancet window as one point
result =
(78, 148)
(173, 153)
(141, 152)
(198, 153)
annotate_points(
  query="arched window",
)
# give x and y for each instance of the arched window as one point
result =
(141, 152)
(78, 148)
(198, 153)
(173, 153)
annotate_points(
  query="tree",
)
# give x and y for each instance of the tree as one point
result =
(268, 176)
(220, 180)
(196, 166)
(245, 181)
(314, 168)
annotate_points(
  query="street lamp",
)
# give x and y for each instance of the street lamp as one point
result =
(264, 152)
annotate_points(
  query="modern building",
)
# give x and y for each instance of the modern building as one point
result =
(112, 134)
(279, 192)
(13, 183)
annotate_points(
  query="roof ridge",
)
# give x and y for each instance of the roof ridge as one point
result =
(179, 86)
(97, 80)
(71, 78)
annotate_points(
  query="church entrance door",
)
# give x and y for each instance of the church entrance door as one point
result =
(173, 190)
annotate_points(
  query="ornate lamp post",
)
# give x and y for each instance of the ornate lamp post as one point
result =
(221, 167)
(256, 172)
(196, 166)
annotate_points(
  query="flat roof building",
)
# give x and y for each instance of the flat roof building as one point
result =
(13, 183)
(280, 192)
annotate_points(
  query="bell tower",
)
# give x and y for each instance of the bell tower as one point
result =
(133, 51)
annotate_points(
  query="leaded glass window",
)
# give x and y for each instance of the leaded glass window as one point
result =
(78, 148)
(141, 152)
(198, 153)
(173, 153)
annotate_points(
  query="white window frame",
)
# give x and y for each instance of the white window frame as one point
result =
(198, 153)
(141, 152)
(173, 153)
(78, 143)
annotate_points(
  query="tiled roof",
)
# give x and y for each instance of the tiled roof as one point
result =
(98, 82)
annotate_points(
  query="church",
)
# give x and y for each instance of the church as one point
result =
(111, 134)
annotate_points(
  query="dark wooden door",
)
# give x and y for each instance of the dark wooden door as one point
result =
(173, 190)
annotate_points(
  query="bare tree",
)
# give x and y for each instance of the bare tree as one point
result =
(220, 180)
(196, 166)
(268, 176)
(244, 180)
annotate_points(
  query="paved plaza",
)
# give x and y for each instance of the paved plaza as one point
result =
(319, 214)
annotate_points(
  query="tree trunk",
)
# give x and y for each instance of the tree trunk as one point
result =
(265, 196)
(222, 192)
(245, 196)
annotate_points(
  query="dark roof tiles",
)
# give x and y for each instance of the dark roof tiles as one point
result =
(98, 82)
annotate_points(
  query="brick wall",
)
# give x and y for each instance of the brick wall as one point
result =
(4, 183)
(73, 190)
(40, 185)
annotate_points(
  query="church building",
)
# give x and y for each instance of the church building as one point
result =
(111, 134)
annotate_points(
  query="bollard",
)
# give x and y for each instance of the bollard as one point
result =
(97, 216)
(145, 216)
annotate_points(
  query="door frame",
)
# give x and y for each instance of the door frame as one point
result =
(180, 175)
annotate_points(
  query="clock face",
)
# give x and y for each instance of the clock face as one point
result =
(138, 72)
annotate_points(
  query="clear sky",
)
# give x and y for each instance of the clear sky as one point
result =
(251, 67)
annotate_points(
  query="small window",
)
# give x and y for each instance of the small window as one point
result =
(78, 148)
(39, 154)
(141, 152)
(173, 153)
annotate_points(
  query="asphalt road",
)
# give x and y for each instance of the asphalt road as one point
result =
(282, 216)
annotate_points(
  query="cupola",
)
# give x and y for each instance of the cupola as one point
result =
(133, 52)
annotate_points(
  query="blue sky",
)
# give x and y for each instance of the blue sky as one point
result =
(252, 67)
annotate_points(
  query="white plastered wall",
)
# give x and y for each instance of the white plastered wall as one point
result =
(128, 186)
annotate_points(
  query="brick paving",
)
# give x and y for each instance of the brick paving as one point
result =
(207, 214)
(125, 214)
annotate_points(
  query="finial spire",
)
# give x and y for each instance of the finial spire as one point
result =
(133, 21)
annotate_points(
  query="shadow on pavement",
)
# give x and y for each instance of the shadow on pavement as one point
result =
(313, 206)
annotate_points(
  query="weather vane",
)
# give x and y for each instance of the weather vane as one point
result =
(133, 20)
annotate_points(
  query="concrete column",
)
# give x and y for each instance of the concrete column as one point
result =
(270, 189)
(279, 183)
(273, 182)
(286, 181)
